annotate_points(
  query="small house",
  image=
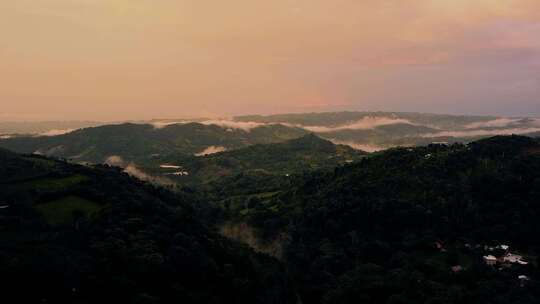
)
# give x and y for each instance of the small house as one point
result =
(457, 268)
(523, 280)
(503, 247)
(490, 260)
(512, 258)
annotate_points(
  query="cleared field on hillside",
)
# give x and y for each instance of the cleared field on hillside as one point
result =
(63, 211)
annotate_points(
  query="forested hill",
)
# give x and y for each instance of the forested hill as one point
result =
(75, 234)
(142, 142)
(434, 224)
(411, 225)
(294, 156)
(381, 130)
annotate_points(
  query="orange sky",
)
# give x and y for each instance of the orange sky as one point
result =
(135, 59)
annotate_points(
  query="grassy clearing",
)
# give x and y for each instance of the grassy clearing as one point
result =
(61, 211)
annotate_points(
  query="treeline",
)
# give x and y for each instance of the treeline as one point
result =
(369, 232)
(406, 225)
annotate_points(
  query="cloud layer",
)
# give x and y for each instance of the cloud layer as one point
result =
(246, 126)
(211, 150)
(473, 133)
(359, 146)
(365, 123)
(132, 169)
(224, 123)
(56, 132)
(496, 123)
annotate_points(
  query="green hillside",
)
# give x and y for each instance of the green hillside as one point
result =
(75, 234)
(279, 159)
(140, 142)
(369, 230)
(405, 225)
(382, 130)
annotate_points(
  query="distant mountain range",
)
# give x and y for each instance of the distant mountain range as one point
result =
(369, 131)
(260, 147)
(45, 128)
(142, 142)
(381, 130)
(192, 152)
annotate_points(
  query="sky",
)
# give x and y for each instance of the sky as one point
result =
(142, 59)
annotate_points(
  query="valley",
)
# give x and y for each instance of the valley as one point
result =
(270, 152)
(372, 131)
(332, 223)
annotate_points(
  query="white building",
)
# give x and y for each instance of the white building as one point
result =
(490, 259)
(512, 258)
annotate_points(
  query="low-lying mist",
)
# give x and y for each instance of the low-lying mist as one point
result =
(132, 169)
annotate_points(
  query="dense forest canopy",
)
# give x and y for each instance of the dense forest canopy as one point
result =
(78, 234)
(406, 225)
(141, 142)
(321, 223)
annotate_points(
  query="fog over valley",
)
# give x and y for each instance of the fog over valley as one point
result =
(270, 152)
(369, 131)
